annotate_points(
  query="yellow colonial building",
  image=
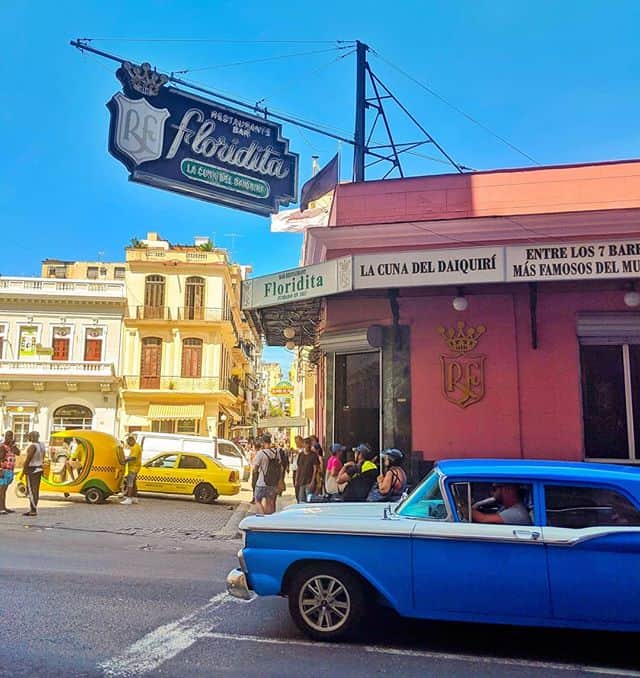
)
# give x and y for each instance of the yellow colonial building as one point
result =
(188, 356)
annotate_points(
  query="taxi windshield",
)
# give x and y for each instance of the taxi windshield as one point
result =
(425, 501)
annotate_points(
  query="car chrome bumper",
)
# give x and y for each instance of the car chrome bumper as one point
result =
(237, 585)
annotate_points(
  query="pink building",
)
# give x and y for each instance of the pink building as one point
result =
(492, 314)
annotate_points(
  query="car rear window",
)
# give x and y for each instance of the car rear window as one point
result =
(578, 506)
(187, 461)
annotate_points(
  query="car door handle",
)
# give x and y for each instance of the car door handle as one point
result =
(529, 535)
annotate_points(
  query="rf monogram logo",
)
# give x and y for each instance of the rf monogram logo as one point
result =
(462, 373)
(140, 128)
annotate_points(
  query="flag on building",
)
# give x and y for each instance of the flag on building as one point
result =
(323, 182)
(295, 221)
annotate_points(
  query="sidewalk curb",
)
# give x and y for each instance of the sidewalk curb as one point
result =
(230, 530)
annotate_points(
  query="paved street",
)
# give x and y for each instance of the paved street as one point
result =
(167, 516)
(91, 601)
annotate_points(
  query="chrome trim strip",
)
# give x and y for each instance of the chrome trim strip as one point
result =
(408, 533)
(489, 538)
(579, 539)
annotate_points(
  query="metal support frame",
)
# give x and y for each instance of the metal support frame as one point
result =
(360, 142)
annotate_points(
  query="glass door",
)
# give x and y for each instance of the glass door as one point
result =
(357, 399)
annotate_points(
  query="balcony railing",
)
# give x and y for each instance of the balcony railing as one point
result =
(138, 382)
(199, 313)
(183, 313)
(56, 368)
(153, 313)
(62, 288)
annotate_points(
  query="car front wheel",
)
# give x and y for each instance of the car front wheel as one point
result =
(326, 601)
(205, 493)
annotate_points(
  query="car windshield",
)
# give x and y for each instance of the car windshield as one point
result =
(425, 501)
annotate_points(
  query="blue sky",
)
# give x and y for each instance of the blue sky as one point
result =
(559, 80)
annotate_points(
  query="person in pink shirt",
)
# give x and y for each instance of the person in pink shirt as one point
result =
(334, 464)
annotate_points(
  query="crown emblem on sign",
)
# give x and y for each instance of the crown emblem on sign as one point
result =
(461, 339)
(142, 78)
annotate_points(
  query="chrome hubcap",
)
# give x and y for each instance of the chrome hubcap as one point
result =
(324, 603)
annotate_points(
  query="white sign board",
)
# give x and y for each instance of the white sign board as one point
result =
(298, 284)
(573, 261)
(429, 267)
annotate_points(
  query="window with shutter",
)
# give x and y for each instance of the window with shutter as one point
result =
(93, 345)
(192, 358)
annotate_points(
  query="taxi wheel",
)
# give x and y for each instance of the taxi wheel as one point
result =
(326, 601)
(205, 493)
(21, 490)
(94, 495)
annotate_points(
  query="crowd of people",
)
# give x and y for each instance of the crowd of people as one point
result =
(357, 474)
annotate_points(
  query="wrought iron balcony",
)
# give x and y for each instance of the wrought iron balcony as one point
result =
(200, 313)
(153, 313)
(179, 384)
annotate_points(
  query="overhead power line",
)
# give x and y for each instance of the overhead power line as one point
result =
(455, 108)
(220, 42)
(261, 60)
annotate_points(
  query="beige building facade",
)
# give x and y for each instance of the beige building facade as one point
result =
(188, 355)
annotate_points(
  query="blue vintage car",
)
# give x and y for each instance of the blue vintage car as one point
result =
(536, 543)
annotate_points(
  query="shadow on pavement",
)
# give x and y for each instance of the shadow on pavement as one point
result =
(595, 648)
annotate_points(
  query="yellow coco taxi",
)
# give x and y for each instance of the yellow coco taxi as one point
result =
(188, 473)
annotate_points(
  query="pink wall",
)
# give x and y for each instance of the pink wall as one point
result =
(532, 402)
(540, 190)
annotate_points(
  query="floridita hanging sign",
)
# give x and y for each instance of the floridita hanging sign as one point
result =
(172, 139)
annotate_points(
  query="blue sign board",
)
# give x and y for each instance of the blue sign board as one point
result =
(172, 139)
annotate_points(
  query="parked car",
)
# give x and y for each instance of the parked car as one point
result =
(225, 451)
(571, 559)
(185, 473)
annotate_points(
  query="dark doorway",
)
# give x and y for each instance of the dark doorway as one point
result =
(357, 399)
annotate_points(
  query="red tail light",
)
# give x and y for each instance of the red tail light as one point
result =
(233, 477)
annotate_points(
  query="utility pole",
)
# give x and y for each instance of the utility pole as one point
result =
(361, 105)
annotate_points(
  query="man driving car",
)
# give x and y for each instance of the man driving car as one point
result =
(513, 511)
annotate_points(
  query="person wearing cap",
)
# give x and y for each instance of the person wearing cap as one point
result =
(359, 476)
(391, 483)
(334, 465)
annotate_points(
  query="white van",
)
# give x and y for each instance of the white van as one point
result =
(224, 451)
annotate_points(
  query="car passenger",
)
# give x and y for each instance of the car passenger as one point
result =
(513, 511)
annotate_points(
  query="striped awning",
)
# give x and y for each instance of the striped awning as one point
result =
(176, 411)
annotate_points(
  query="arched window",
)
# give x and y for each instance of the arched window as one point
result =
(72, 417)
(150, 362)
(154, 297)
(192, 358)
(194, 298)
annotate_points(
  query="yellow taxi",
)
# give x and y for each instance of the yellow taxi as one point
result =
(188, 473)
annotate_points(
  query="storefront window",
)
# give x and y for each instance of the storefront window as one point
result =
(357, 398)
(72, 417)
(610, 377)
(186, 426)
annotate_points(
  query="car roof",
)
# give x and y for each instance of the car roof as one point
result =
(538, 469)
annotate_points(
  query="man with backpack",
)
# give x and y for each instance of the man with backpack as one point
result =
(269, 470)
